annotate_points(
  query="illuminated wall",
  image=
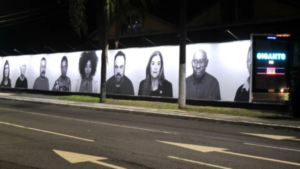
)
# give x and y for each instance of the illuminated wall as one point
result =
(219, 75)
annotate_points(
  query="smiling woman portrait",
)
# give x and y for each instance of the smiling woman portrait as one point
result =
(155, 83)
(6, 80)
(87, 69)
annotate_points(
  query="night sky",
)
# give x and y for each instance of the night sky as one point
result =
(46, 23)
(39, 24)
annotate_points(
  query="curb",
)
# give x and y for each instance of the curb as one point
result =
(169, 115)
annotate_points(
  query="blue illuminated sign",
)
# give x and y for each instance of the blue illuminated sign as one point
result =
(272, 37)
(271, 56)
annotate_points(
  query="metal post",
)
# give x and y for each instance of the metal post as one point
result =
(182, 69)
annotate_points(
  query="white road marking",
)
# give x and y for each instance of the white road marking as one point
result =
(87, 121)
(45, 131)
(274, 137)
(197, 162)
(206, 149)
(80, 158)
(280, 148)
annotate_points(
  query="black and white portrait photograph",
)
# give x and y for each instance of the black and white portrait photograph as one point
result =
(22, 80)
(119, 83)
(42, 82)
(243, 92)
(155, 83)
(87, 69)
(201, 85)
(6, 82)
(63, 83)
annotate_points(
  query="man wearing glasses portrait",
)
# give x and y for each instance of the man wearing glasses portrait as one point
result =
(201, 85)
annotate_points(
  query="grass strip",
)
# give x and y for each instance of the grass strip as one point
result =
(174, 106)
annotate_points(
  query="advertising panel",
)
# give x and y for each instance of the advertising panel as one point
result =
(214, 71)
(271, 58)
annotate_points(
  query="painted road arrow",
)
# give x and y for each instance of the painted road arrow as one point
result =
(275, 137)
(206, 149)
(80, 158)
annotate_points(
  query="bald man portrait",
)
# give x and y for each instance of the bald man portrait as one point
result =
(119, 83)
(201, 85)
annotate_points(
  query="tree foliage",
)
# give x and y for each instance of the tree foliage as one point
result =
(117, 11)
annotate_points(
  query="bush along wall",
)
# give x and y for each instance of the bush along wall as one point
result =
(295, 90)
(294, 82)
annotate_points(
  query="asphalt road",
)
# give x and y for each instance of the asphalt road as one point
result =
(46, 136)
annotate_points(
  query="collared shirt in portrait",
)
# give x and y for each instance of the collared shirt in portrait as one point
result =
(242, 93)
(206, 88)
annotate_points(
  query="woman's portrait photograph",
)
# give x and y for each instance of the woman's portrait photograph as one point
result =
(155, 83)
(6, 80)
(87, 69)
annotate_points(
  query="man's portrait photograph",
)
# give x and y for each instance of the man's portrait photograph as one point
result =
(42, 82)
(63, 83)
(201, 85)
(119, 83)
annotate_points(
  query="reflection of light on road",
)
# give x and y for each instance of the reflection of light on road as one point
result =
(197, 162)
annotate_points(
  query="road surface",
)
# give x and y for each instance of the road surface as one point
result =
(34, 136)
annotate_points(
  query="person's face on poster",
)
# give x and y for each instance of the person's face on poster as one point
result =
(6, 70)
(155, 66)
(64, 68)
(23, 69)
(249, 62)
(88, 69)
(43, 68)
(199, 64)
(119, 69)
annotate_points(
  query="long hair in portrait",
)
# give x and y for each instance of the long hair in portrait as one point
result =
(6, 63)
(146, 88)
(85, 57)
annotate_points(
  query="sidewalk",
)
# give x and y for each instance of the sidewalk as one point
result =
(241, 120)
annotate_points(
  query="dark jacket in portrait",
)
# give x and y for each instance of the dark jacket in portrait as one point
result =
(8, 84)
(41, 83)
(206, 88)
(126, 87)
(163, 90)
(242, 95)
(21, 83)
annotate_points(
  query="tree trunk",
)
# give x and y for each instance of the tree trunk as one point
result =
(102, 23)
(182, 69)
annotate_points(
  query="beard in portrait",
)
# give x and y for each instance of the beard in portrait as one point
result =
(155, 83)
(42, 82)
(87, 69)
(63, 83)
(119, 83)
(6, 82)
(202, 85)
(22, 80)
